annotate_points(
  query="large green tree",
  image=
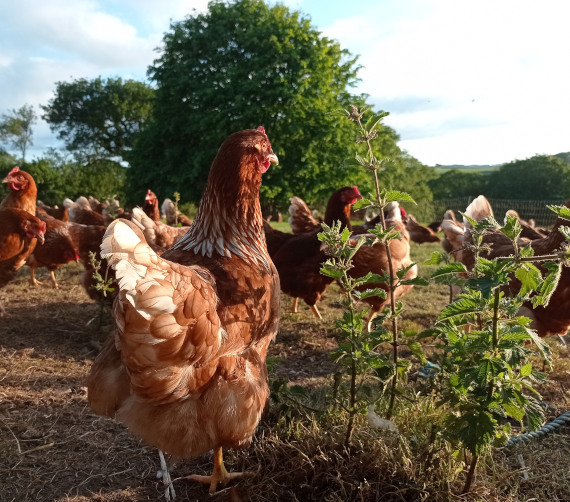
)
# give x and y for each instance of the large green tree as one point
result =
(240, 65)
(99, 117)
(16, 128)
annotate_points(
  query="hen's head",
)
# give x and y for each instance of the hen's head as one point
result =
(349, 195)
(18, 180)
(34, 228)
(243, 157)
(150, 197)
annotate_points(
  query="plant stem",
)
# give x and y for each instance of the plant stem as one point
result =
(470, 475)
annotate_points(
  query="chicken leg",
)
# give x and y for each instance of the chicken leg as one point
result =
(219, 475)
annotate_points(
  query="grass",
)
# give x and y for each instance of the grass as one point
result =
(53, 448)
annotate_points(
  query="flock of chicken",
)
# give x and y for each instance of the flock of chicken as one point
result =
(197, 306)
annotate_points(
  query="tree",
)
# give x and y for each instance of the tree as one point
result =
(101, 117)
(16, 128)
(241, 65)
(542, 177)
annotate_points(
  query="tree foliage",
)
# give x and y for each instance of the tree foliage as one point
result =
(536, 178)
(456, 183)
(16, 128)
(241, 65)
(98, 116)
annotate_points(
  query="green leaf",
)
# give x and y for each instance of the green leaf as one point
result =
(461, 306)
(513, 411)
(530, 278)
(394, 195)
(416, 349)
(512, 228)
(418, 281)
(547, 287)
(526, 370)
(561, 211)
(369, 293)
(330, 272)
(449, 269)
(362, 203)
(436, 258)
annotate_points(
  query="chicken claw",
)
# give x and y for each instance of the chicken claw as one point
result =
(219, 475)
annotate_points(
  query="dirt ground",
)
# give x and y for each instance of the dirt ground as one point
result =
(53, 448)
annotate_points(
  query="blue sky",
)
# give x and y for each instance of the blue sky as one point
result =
(465, 82)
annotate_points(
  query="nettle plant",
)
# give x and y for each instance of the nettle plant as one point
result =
(365, 373)
(485, 347)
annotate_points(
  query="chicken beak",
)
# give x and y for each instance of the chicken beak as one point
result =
(41, 238)
(273, 159)
(7, 179)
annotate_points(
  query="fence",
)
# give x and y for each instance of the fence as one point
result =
(527, 209)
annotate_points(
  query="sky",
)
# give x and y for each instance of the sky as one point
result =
(469, 82)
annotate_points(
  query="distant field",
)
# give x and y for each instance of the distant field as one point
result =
(469, 169)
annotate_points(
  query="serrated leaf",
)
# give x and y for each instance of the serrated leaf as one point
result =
(530, 278)
(369, 293)
(416, 349)
(394, 195)
(514, 411)
(450, 268)
(418, 281)
(362, 203)
(330, 272)
(436, 258)
(561, 211)
(548, 285)
(461, 306)
(526, 370)
(512, 228)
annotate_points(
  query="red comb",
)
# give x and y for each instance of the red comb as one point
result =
(262, 130)
(14, 170)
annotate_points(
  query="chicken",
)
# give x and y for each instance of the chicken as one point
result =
(420, 233)
(374, 258)
(23, 191)
(80, 212)
(453, 231)
(96, 205)
(150, 206)
(301, 218)
(158, 235)
(19, 233)
(61, 213)
(173, 216)
(553, 318)
(58, 249)
(298, 257)
(186, 371)
(338, 208)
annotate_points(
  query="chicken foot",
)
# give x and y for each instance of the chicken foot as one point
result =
(33, 280)
(219, 474)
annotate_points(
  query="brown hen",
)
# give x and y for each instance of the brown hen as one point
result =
(186, 371)
(19, 233)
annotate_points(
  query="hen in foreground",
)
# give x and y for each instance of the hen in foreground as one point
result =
(186, 371)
